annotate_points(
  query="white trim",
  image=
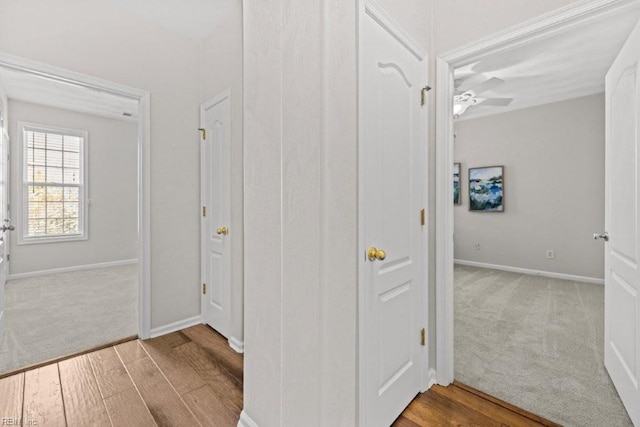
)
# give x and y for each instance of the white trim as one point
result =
(384, 19)
(144, 162)
(175, 326)
(144, 215)
(579, 13)
(531, 272)
(72, 269)
(444, 223)
(236, 345)
(246, 421)
(432, 379)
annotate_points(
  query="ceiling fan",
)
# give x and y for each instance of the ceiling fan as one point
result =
(469, 98)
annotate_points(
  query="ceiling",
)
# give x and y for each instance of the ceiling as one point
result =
(36, 89)
(194, 19)
(562, 66)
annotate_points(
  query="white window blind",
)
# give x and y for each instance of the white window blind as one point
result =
(54, 197)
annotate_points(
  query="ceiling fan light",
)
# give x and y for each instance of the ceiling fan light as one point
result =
(458, 109)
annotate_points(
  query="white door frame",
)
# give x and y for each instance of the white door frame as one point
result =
(428, 377)
(144, 164)
(520, 35)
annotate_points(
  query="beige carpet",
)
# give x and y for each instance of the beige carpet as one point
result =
(51, 316)
(537, 343)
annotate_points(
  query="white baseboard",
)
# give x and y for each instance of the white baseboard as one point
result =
(431, 380)
(550, 274)
(176, 326)
(72, 269)
(246, 421)
(236, 345)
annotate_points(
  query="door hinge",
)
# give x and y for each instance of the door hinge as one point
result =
(204, 211)
(203, 133)
(204, 288)
(8, 257)
(423, 337)
(423, 217)
(423, 94)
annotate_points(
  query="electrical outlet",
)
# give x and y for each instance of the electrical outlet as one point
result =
(476, 246)
(551, 254)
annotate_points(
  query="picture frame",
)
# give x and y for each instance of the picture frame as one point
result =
(457, 184)
(486, 189)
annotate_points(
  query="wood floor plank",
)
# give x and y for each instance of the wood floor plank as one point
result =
(82, 399)
(455, 406)
(43, 397)
(111, 374)
(505, 405)
(180, 374)
(218, 348)
(130, 351)
(474, 403)
(128, 409)
(405, 422)
(175, 339)
(209, 409)
(165, 405)
(227, 388)
(11, 390)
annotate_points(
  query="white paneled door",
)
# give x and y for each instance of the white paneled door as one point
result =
(393, 184)
(216, 235)
(622, 211)
(5, 225)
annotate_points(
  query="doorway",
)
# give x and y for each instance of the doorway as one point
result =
(62, 125)
(484, 59)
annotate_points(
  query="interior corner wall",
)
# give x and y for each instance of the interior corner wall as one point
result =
(113, 191)
(100, 39)
(221, 69)
(300, 160)
(553, 157)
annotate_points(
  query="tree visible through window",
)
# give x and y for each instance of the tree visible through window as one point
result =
(53, 182)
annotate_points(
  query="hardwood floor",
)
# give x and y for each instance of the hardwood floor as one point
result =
(186, 378)
(190, 378)
(461, 405)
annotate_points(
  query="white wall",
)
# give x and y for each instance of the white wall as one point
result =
(554, 187)
(112, 172)
(459, 22)
(102, 40)
(300, 212)
(221, 69)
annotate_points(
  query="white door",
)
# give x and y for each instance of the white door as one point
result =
(215, 177)
(393, 183)
(622, 211)
(5, 226)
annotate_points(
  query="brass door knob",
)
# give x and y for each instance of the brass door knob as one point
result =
(223, 231)
(376, 254)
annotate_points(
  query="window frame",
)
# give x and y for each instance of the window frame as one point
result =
(83, 192)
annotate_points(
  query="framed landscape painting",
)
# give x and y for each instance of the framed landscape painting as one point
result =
(486, 189)
(457, 197)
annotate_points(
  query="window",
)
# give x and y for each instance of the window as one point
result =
(54, 184)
